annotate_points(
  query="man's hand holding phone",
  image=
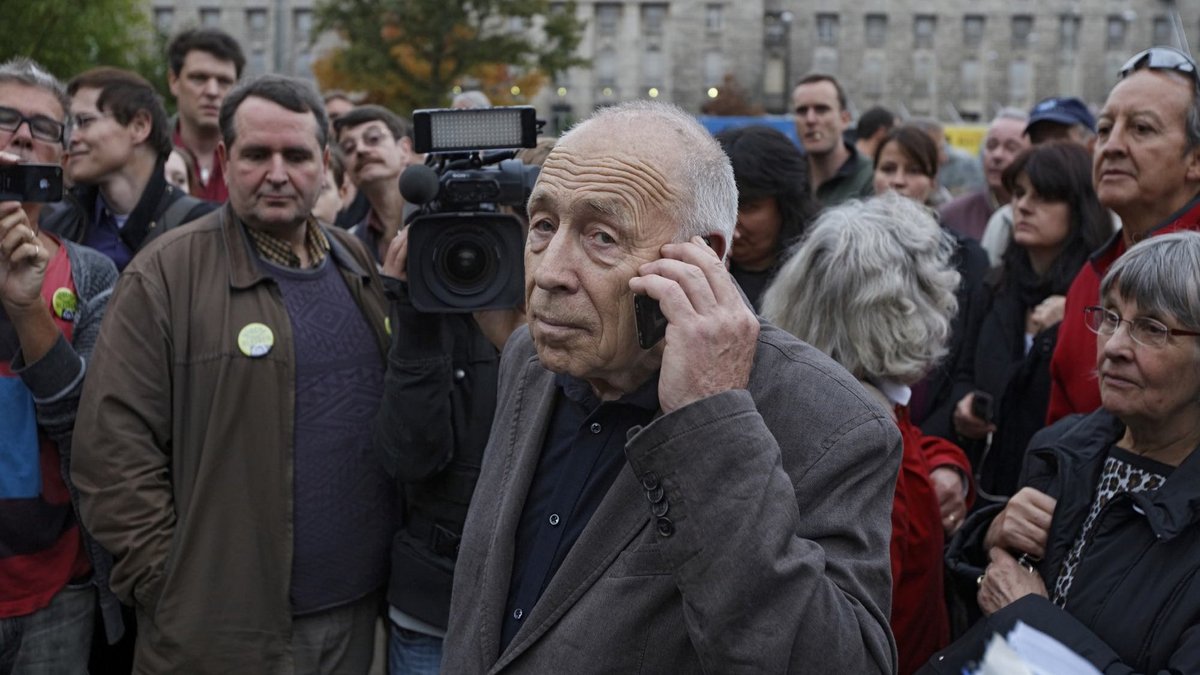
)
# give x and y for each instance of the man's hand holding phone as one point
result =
(711, 333)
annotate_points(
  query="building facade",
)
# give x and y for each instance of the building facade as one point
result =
(957, 60)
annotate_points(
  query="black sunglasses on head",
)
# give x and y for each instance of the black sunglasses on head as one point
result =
(1162, 58)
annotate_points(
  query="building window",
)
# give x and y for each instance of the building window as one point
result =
(970, 80)
(1116, 32)
(257, 63)
(653, 67)
(164, 19)
(973, 30)
(1022, 28)
(1163, 32)
(924, 27)
(714, 18)
(256, 25)
(608, 18)
(876, 30)
(653, 18)
(924, 72)
(606, 67)
(302, 25)
(1068, 33)
(210, 17)
(873, 75)
(714, 68)
(827, 29)
(1019, 83)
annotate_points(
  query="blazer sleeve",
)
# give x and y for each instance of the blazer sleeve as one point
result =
(772, 572)
(121, 463)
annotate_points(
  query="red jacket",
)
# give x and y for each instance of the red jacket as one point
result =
(1073, 384)
(919, 618)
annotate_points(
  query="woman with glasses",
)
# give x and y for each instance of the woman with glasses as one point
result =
(1101, 546)
(1057, 222)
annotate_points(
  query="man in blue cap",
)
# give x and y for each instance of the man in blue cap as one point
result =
(1061, 119)
(1058, 118)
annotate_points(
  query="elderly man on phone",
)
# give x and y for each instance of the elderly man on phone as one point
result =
(719, 501)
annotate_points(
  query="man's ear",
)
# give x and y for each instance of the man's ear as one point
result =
(1193, 165)
(141, 125)
(173, 82)
(717, 243)
(223, 157)
(845, 115)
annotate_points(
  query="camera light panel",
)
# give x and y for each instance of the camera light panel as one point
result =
(447, 130)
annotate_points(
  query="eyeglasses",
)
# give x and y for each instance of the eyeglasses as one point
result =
(370, 139)
(1162, 58)
(83, 121)
(40, 127)
(1144, 331)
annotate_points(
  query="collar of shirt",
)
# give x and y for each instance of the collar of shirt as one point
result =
(898, 394)
(103, 210)
(579, 391)
(275, 250)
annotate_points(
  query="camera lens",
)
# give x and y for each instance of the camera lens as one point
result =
(466, 262)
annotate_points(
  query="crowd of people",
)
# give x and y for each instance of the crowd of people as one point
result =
(904, 400)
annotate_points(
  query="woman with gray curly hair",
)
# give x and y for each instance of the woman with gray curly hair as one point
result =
(873, 285)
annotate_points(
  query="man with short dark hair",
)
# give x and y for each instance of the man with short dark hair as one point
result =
(203, 63)
(377, 146)
(871, 128)
(227, 462)
(120, 141)
(836, 170)
(1146, 168)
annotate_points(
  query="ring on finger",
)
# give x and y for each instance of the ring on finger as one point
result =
(979, 580)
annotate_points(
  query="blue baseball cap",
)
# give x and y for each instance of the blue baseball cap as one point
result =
(1063, 110)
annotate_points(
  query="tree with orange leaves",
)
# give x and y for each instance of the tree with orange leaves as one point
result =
(409, 54)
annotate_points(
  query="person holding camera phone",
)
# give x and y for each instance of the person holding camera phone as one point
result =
(438, 400)
(53, 295)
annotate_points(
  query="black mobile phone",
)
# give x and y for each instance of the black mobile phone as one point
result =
(31, 183)
(982, 405)
(649, 319)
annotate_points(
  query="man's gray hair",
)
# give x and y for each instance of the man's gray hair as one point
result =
(709, 201)
(22, 70)
(471, 99)
(1162, 275)
(1010, 113)
(872, 285)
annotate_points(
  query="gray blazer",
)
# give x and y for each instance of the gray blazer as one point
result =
(775, 557)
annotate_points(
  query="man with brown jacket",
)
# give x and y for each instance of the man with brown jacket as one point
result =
(223, 451)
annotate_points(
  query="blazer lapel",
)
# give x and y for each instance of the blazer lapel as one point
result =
(532, 416)
(620, 517)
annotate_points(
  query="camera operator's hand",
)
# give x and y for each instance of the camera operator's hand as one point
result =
(395, 262)
(498, 324)
(711, 333)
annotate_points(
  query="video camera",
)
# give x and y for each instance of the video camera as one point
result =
(464, 253)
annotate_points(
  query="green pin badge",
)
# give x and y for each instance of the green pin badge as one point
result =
(65, 303)
(255, 340)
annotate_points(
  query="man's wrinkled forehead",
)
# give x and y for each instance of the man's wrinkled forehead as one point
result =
(594, 160)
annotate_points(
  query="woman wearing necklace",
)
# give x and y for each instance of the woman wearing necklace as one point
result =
(1101, 545)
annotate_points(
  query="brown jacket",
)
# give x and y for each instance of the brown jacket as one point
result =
(183, 452)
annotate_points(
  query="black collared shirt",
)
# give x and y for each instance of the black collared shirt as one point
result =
(582, 454)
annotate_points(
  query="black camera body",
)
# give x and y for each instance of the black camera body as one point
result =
(464, 252)
(31, 183)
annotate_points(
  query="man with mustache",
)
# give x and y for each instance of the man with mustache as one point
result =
(203, 63)
(717, 502)
(1146, 167)
(377, 146)
(227, 460)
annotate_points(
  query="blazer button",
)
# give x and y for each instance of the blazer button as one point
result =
(655, 495)
(665, 527)
(595, 428)
(459, 373)
(649, 480)
(660, 509)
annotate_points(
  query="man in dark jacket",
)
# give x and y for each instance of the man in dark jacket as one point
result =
(119, 144)
(438, 400)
